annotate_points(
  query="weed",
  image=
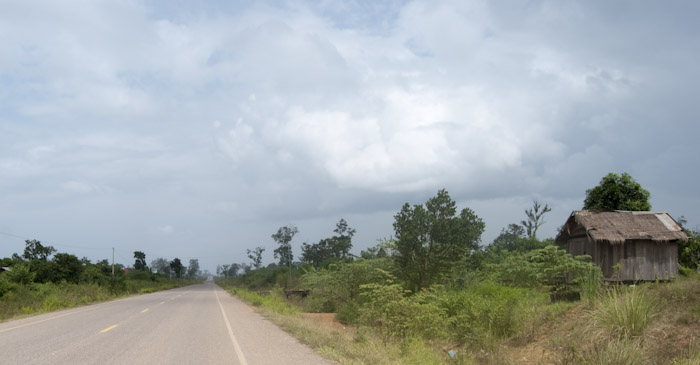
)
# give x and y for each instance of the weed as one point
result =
(690, 355)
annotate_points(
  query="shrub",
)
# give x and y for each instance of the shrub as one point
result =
(487, 311)
(399, 316)
(550, 266)
(339, 284)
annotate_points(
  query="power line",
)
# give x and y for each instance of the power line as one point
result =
(56, 244)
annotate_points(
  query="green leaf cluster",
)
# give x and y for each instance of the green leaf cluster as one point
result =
(617, 192)
(549, 266)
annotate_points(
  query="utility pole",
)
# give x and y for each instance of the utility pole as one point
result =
(112, 261)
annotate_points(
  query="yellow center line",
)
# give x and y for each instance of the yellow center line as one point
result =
(162, 302)
(108, 328)
(145, 310)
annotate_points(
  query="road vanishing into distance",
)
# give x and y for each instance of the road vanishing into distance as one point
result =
(198, 324)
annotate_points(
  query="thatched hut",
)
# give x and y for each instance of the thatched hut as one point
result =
(644, 244)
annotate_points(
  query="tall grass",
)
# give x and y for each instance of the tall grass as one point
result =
(24, 299)
(591, 282)
(273, 301)
(690, 355)
(624, 313)
(616, 352)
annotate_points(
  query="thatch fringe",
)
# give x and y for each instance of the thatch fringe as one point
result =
(617, 227)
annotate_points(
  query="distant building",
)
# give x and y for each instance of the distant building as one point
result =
(644, 244)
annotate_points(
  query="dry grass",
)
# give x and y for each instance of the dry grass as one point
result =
(624, 312)
(351, 346)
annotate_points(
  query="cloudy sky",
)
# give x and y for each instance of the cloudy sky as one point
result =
(196, 129)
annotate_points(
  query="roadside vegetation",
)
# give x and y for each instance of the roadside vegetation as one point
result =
(434, 294)
(41, 280)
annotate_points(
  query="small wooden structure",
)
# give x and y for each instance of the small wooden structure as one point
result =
(302, 293)
(644, 244)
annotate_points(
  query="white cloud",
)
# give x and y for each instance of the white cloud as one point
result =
(166, 229)
(78, 187)
(318, 106)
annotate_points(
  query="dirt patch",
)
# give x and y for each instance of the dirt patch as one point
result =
(328, 318)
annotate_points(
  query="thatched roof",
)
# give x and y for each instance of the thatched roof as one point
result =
(618, 226)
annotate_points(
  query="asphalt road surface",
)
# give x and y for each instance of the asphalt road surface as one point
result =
(198, 324)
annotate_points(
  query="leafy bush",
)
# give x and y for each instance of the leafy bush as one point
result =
(340, 284)
(550, 266)
(21, 274)
(689, 252)
(488, 310)
(397, 315)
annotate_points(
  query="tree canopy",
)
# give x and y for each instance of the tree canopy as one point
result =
(329, 249)
(284, 237)
(617, 192)
(177, 267)
(34, 250)
(256, 256)
(431, 239)
(140, 262)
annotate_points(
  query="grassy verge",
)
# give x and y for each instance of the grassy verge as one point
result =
(346, 346)
(34, 298)
(652, 323)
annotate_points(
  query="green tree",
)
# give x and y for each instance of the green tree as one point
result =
(342, 243)
(177, 267)
(256, 256)
(617, 192)
(140, 263)
(432, 240)
(315, 254)
(161, 266)
(68, 267)
(193, 268)
(535, 218)
(34, 250)
(513, 238)
(329, 249)
(284, 237)
(689, 252)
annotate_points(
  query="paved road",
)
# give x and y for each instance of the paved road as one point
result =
(198, 324)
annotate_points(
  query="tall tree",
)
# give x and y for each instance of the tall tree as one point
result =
(161, 265)
(256, 256)
(284, 237)
(140, 262)
(177, 267)
(431, 240)
(535, 218)
(193, 269)
(34, 250)
(617, 192)
(342, 243)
